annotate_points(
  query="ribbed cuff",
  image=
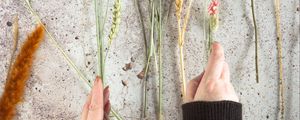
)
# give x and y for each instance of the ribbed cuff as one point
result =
(218, 110)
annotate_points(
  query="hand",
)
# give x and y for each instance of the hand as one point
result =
(214, 83)
(97, 106)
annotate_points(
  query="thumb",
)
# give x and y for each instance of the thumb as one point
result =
(192, 87)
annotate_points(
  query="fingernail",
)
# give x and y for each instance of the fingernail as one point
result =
(97, 78)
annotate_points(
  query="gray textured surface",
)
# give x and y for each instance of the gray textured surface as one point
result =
(55, 92)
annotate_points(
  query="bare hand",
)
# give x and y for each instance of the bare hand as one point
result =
(213, 84)
(97, 106)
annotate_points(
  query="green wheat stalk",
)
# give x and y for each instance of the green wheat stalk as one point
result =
(150, 54)
(61, 50)
(100, 22)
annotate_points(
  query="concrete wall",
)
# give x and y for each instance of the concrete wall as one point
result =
(56, 92)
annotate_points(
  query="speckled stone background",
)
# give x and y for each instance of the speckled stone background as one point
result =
(55, 91)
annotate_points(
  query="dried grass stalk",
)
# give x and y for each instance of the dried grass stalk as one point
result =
(160, 63)
(256, 41)
(15, 44)
(181, 33)
(20, 72)
(279, 48)
(56, 44)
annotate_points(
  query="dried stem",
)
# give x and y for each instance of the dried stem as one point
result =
(279, 48)
(15, 44)
(181, 33)
(160, 79)
(256, 41)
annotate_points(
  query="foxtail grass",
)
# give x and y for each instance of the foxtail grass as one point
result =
(256, 40)
(281, 114)
(19, 74)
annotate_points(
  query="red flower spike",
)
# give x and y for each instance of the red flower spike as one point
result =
(212, 9)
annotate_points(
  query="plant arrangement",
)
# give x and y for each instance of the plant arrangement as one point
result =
(153, 51)
(19, 74)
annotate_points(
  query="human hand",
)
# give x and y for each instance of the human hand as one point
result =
(214, 83)
(97, 106)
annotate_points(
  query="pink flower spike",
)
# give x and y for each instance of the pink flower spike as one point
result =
(212, 9)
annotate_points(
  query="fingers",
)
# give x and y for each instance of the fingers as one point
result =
(215, 63)
(106, 103)
(107, 110)
(96, 107)
(106, 95)
(85, 110)
(192, 87)
(225, 75)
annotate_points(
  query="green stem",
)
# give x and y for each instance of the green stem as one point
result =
(148, 62)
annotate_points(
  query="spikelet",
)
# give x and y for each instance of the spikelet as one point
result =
(116, 21)
(19, 74)
(178, 4)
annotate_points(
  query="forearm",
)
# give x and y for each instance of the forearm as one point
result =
(219, 110)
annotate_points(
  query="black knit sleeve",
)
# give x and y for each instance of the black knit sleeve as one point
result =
(218, 110)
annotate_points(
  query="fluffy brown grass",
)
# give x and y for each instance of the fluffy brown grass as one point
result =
(19, 74)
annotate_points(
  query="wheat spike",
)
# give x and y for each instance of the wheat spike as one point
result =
(116, 21)
(19, 74)
(178, 4)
